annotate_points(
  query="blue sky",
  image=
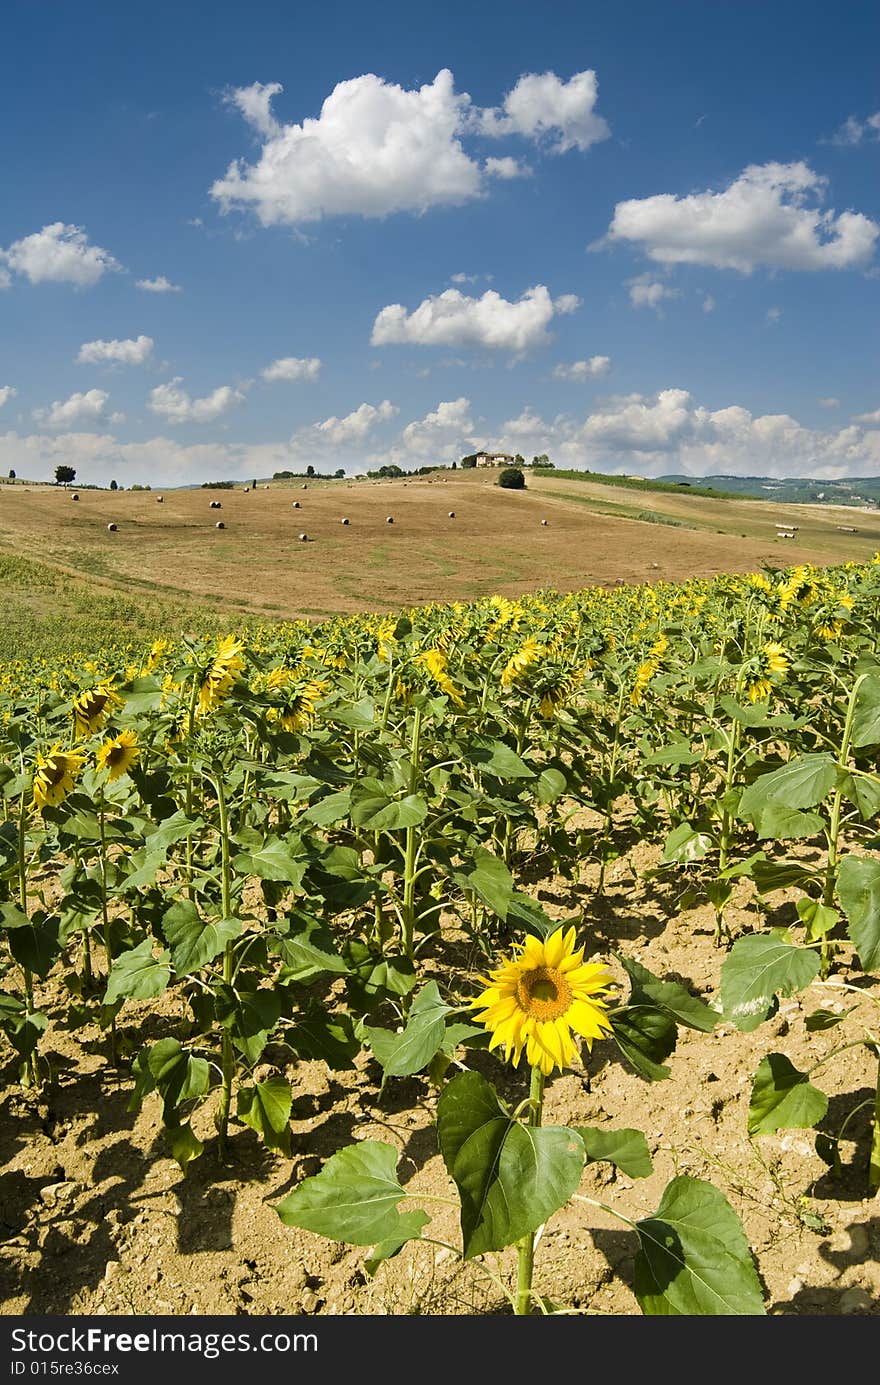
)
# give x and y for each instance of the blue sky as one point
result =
(640, 237)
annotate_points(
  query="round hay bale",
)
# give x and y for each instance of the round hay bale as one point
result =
(452, 514)
(112, 528)
(246, 489)
(74, 496)
(304, 487)
(389, 519)
(219, 524)
(543, 521)
(346, 521)
(296, 504)
(159, 499)
(216, 505)
(303, 538)
(265, 488)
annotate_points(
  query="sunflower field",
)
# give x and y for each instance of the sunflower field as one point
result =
(327, 842)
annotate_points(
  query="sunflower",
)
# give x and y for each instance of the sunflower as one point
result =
(535, 999)
(775, 657)
(158, 650)
(118, 755)
(434, 660)
(530, 652)
(54, 777)
(92, 708)
(644, 673)
(299, 708)
(220, 673)
(771, 662)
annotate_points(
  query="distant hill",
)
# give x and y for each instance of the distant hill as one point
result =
(794, 490)
(802, 490)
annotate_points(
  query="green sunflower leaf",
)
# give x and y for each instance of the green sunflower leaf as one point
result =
(510, 1177)
(353, 1199)
(410, 1228)
(626, 1149)
(646, 1036)
(138, 974)
(693, 1257)
(670, 996)
(266, 1108)
(755, 970)
(783, 1098)
(184, 1144)
(273, 860)
(685, 844)
(401, 1055)
(33, 942)
(380, 813)
(488, 878)
(866, 718)
(858, 887)
(193, 940)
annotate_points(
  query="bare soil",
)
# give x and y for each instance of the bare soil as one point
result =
(96, 1218)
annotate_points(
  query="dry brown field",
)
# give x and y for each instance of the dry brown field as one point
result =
(495, 543)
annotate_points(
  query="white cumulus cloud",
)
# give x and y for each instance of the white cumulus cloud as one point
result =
(871, 420)
(670, 431)
(451, 318)
(634, 424)
(855, 131)
(354, 426)
(439, 432)
(648, 292)
(58, 254)
(7, 392)
(506, 169)
(158, 285)
(178, 406)
(583, 370)
(768, 216)
(131, 351)
(87, 407)
(377, 148)
(542, 106)
(293, 368)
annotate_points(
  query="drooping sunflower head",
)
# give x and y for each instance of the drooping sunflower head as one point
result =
(220, 673)
(533, 1001)
(118, 754)
(644, 673)
(298, 708)
(530, 652)
(436, 664)
(158, 650)
(54, 777)
(92, 708)
(771, 664)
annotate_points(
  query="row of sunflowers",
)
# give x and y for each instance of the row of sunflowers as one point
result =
(296, 841)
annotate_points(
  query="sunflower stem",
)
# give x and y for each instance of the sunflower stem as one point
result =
(526, 1247)
(30, 1065)
(190, 723)
(227, 1059)
(609, 810)
(833, 831)
(411, 843)
(105, 918)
